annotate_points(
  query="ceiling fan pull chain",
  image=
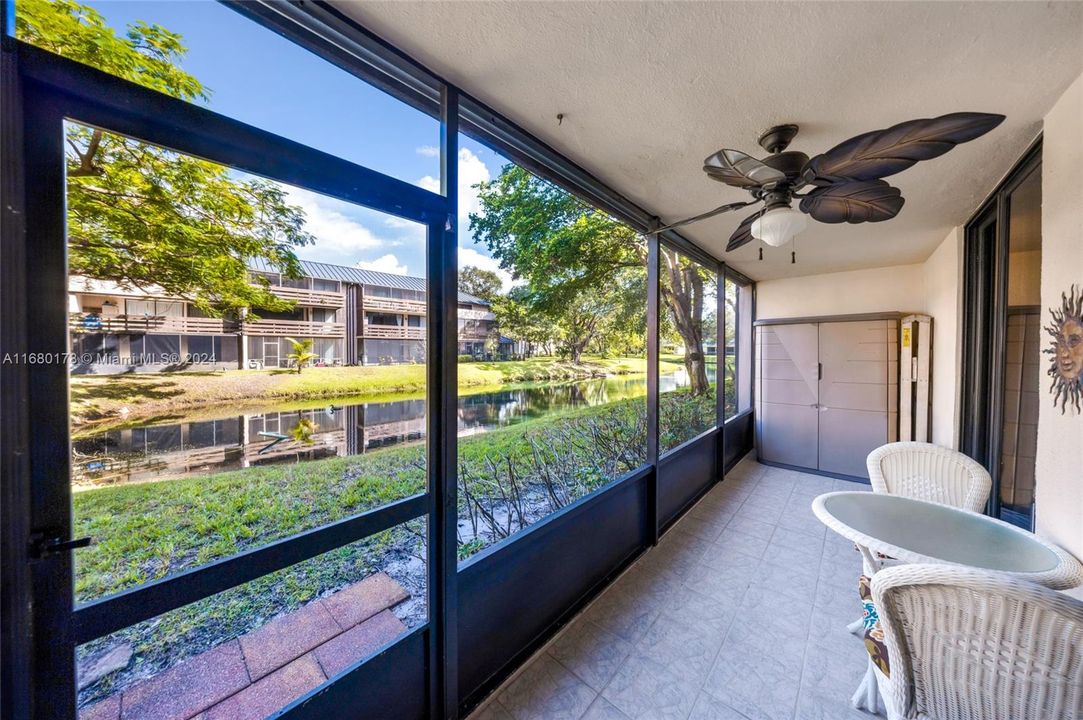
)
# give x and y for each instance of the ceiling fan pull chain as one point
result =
(793, 251)
(761, 252)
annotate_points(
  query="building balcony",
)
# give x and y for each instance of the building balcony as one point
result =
(310, 298)
(393, 305)
(476, 315)
(154, 324)
(293, 328)
(393, 332)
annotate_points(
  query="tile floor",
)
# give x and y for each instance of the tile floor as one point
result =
(738, 614)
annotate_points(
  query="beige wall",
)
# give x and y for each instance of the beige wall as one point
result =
(1024, 278)
(888, 289)
(1059, 471)
(942, 274)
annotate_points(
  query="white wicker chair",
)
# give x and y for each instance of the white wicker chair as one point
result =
(966, 644)
(924, 471)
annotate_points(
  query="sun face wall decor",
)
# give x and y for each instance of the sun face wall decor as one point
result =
(1066, 350)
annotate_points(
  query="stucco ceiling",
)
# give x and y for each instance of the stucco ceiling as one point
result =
(649, 89)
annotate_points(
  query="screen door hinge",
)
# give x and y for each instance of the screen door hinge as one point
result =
(43, 545)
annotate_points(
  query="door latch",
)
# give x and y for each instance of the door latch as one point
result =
(43, 545)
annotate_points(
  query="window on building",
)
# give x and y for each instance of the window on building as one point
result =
(301, 283)
(155, 349)
(297, 313)
(325, 285)
(204, 348)
(386, 319)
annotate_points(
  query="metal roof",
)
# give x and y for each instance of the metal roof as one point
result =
(358, 276)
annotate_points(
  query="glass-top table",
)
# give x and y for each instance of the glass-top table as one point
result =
(903, 529)
(925, 532)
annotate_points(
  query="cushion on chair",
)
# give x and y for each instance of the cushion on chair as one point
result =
(874, 633)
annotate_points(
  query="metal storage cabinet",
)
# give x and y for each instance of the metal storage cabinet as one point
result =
(827, 392)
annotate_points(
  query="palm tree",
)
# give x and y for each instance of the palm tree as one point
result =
(302, 353)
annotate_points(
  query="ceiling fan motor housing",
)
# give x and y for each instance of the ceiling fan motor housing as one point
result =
(791, 163)
(778, 138)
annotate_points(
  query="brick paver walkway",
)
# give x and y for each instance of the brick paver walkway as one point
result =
(258, 673)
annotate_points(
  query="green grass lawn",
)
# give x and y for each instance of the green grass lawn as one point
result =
(147, 531)
(97, 401)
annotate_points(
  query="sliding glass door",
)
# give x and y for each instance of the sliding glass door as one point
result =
(1002, 339)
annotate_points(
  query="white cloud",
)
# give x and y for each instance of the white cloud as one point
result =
(469, 257)
(428, 151)
(429, 183)
(345, 232)
(329, 220)
(472, 170)
(385, 263)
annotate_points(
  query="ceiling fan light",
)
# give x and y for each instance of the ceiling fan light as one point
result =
(777, 227)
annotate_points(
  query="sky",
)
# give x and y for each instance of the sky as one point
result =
(262, 79)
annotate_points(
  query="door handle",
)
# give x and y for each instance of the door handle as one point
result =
(42, 545)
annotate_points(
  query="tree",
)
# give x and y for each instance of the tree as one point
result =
(146, 217)
(581, 323)
(516, 320)
(484, 284)
(301, 354)
(683, 289)
(564, 249)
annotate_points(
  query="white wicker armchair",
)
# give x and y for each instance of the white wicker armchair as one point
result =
(965, 644)
(929, 472)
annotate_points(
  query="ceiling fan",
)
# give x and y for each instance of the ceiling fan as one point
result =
(846, 180)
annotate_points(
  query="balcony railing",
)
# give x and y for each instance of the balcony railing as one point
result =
(392, 305)
(154, 324)
(476, 315)
(393, 332)
(293, 328)
(310, 298)
(398, 428)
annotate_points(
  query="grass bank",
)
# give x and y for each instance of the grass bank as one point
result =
(106, 399)
(509, 478)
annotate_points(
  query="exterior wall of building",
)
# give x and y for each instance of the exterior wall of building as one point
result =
(120, 330)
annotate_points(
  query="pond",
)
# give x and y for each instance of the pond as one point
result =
(291, 432)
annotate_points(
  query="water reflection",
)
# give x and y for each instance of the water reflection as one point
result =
(281, 434)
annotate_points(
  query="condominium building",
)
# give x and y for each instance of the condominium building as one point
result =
(353, 317)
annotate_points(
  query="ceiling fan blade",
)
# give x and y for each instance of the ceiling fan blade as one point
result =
(743, 234)
(735, 168)
(880, 153)
(703, 216)
(854, 202)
